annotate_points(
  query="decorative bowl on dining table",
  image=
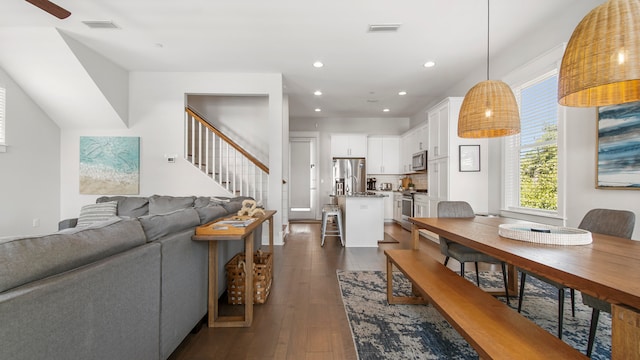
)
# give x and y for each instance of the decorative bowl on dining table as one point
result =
(545, 234)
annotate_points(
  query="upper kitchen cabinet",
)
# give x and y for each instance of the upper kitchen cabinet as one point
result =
(421, 138)
(443, 125)
(348, 145)
(445, 178)
(413, 141)
(383, 155)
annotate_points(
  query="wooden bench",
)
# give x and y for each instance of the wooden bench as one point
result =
(492, 328)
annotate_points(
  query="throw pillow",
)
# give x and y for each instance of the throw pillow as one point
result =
(94, 213)
(128, 206)
(159, 204)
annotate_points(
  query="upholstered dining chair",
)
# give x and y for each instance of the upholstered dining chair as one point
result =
(618, 223)
(561, 295)
(461, 253)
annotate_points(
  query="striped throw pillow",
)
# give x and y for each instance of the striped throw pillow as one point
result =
(94, 213)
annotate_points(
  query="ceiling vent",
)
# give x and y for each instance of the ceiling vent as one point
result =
(101, 24)
(384, 27)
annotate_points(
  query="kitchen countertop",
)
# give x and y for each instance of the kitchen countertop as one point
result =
(365, 194)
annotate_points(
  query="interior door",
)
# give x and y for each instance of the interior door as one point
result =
(303, 187)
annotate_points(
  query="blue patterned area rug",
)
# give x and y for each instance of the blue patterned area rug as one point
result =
(382, 331)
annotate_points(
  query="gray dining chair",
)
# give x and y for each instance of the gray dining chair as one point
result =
(561, 295)
(618, 223)
(603, 221)
(461, 253)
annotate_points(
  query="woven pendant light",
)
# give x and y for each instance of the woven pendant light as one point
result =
(601, 65)
(489, 109)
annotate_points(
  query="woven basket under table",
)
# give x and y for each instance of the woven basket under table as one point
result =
(262, 277)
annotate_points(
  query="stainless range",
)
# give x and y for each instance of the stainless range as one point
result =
(407, 209)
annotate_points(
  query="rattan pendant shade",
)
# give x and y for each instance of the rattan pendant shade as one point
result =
(489, 109)
(601, 64)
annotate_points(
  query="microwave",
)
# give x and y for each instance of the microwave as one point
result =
(419, 161)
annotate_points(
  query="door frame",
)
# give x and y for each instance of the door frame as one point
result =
(293, 135)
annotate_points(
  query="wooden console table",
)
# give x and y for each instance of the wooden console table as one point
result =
(213, 233)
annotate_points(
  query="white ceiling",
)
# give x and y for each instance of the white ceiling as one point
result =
(363, 71)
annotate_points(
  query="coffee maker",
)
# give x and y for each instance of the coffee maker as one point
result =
(371, 183)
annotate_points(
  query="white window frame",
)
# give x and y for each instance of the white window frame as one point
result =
(540, 68)
(3, 122)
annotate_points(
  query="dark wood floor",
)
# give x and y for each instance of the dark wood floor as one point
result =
(304, 317)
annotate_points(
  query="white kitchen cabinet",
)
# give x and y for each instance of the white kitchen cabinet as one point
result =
(442, 127)
(397, 207)
(438, 179)
(405, 153)
(420, 205)
(383, 155)
(421, 138)
(413, 141)
(388, 205)
(348, 145)
(445, 180)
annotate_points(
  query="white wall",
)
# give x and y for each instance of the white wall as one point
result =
(581, 168)
(156, 115)
(581, 194)
(30, 169)
(239, 117)
(327, 126)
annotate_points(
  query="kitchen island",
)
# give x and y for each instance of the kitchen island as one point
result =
(362, 218)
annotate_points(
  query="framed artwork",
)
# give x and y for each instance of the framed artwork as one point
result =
(618, 147)
(109, 165)
(469, 158)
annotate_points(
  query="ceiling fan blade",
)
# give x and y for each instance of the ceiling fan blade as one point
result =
(51, 8)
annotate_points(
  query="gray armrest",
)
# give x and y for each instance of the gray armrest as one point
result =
(67, 223)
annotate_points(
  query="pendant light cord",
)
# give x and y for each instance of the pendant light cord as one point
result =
(488, 39)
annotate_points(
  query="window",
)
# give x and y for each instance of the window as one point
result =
(2, 122)
(531, 158)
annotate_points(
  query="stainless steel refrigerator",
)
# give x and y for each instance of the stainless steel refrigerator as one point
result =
(349, 176)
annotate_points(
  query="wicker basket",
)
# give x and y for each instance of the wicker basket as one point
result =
(262, 276)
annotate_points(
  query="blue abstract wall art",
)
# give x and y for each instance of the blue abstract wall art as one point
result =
(109, 165)
(619, 147)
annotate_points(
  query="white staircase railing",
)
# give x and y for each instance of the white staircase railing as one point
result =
(223, 160)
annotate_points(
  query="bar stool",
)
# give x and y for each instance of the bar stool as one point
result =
(332, 210)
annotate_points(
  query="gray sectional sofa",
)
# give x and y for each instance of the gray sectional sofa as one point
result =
(131, 287)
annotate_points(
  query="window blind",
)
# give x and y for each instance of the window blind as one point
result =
(531, 157)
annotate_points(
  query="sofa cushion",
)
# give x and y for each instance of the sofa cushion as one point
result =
(157, 226)
(128, 206)
(32, 258)
(95, 213)
(159, 204)
(201, 201)
(209, 213)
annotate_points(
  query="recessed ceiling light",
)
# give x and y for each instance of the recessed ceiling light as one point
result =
(429, 64)
(385, 110)
(318, 64)
(318, 109)
(317, 93)
(402, 93)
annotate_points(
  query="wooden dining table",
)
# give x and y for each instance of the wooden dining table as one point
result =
(608, 268)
